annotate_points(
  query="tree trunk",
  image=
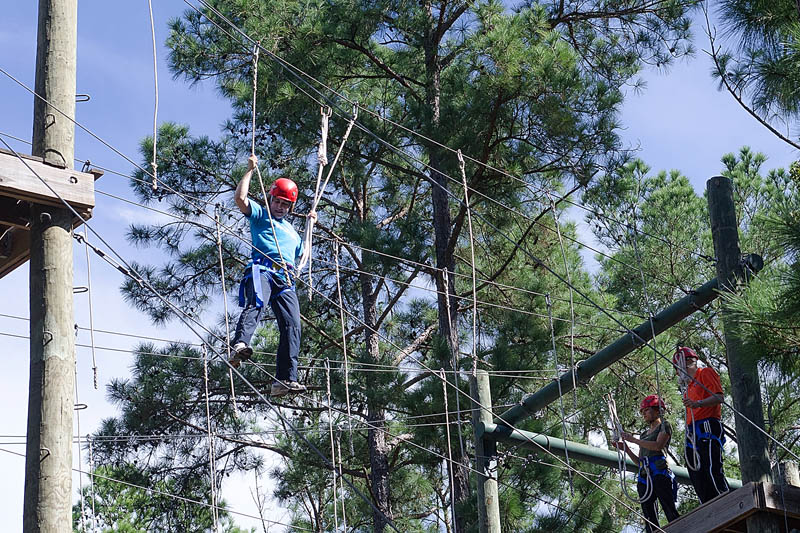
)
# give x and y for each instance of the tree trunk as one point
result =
(445, 261)
(378, 448)
(376, 415)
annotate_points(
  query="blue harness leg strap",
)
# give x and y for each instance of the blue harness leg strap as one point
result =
(701, 429)
(258, 267)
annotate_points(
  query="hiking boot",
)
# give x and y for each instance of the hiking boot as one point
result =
(241, 352)
(278, 389)
(295, 387)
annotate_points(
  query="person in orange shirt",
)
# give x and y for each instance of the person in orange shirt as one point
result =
(702, 396)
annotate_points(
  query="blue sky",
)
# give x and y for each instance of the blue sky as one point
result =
(680, 121)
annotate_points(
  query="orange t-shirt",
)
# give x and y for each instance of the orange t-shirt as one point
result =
(704, 378)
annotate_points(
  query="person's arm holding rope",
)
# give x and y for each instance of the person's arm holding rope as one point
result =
(710, 401)
(242, 202)
(622, 445)
(659, 444)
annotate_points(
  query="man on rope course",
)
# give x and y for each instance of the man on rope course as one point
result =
(705, 438)
(269, 278)
(655, 481)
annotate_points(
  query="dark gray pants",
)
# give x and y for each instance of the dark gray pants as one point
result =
(286, 307)
(662, 491)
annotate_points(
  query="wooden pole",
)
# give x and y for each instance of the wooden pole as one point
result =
(48, 463)
(485, 449)
(743, 371)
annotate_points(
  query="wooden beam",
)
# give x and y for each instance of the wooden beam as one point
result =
(15, 213)
(17, 181)
(20, 188)
(15, 248)
(729, 511)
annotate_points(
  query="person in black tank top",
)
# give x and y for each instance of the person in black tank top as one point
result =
(656, 481)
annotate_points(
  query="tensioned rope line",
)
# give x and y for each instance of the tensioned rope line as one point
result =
(177, 497)
(186, 319)
(567, 274)
(91, 310)
(333, 448)
(154, 163)
(294, 70)
(516, 374)
(344, 342)
(212, 467)
(225, 308)
(78, 445)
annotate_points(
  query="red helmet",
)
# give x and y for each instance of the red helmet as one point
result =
(652, 401)
(686, 352)
(284, 188)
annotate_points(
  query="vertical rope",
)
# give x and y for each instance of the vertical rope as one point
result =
(256, 49)
(462, 167)
(217, 208)
(91, 481)
(80, 457)
(454, 362)
(155, 109)
(333, 449)
(560, 395)
(344, 344)
(322, 160)
(683, 385)
(211, 459)
(91, 311)
(449, 448)
(647, 304)
(341, 482)
(616, 436)
(319, 191)
(568, 275)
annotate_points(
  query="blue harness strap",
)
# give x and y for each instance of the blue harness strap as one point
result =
(269, 266)
(701, 429)
(648, 462)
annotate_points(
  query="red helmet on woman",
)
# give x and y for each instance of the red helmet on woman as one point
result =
(685, 352)
(284, 188)
(652, 401)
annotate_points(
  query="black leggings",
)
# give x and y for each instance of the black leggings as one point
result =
(662, 491)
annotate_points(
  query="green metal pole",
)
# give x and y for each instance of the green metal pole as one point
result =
(642, 333)
(544, 444)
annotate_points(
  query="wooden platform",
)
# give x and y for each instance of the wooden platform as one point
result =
(20, 187)
(729, 512)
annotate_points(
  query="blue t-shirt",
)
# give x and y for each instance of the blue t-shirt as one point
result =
(263, 240)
